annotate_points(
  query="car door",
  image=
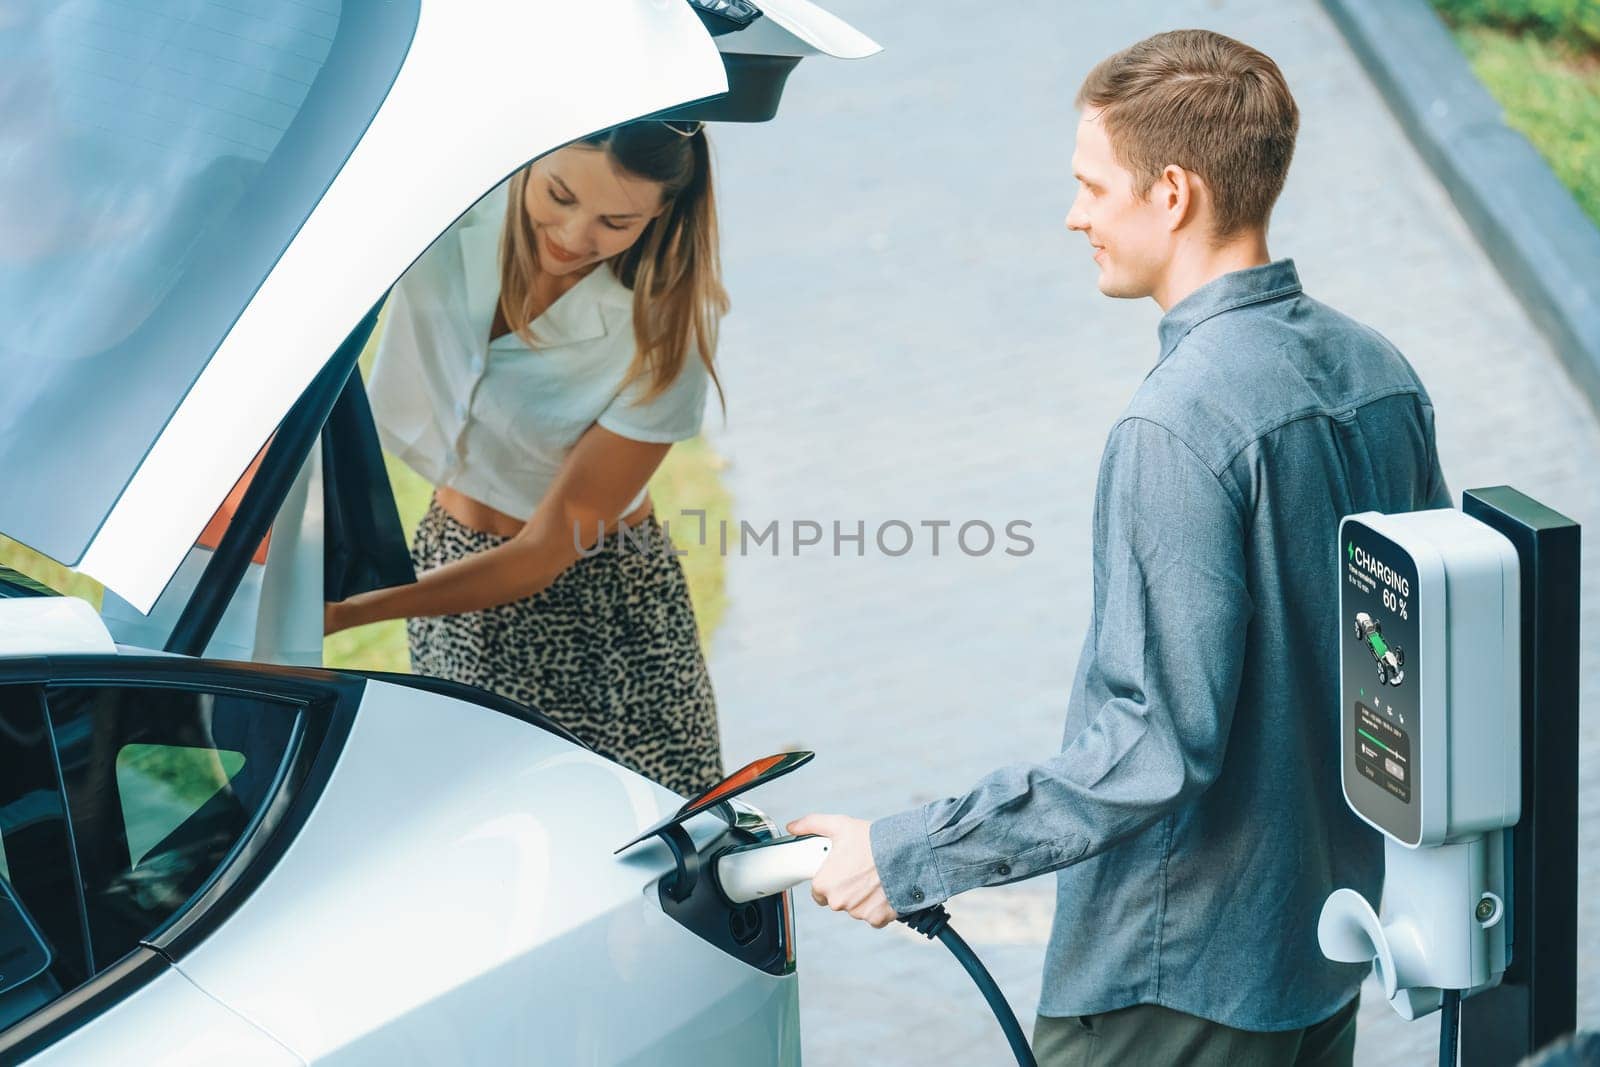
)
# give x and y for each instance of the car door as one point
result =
(140, 801)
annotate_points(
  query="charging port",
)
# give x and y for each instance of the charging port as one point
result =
(755, 932)
(745, 923)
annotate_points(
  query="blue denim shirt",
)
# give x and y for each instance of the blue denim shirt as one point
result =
(1195, 813)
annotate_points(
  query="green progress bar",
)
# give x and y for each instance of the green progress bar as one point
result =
(1380, 744)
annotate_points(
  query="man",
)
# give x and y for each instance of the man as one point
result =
(1195, 814)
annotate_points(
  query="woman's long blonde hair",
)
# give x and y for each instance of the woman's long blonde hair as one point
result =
(674, 268)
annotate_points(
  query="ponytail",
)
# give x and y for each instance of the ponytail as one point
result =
(675, 272)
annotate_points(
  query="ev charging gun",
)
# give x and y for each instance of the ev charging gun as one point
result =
(750, 872)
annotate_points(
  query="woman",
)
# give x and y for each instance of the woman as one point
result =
(536, 365)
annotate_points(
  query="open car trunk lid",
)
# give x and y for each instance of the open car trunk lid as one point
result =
(200, 204)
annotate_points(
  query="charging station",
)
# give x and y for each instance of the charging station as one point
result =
(1458, 741)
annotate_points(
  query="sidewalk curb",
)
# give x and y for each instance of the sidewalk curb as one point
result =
(1542, 243)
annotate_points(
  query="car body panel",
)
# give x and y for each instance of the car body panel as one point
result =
(453, 898)
(171, 1023)
(799, 28)
(52, 625)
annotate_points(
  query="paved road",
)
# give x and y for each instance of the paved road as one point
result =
(916, 338)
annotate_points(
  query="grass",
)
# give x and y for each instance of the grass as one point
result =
(1576, 22)
(689, 478)
(42, 568)
(1550, 90)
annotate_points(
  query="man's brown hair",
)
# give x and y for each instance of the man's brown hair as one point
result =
(1207, 103)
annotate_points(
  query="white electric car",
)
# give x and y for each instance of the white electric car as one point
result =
(212, 850)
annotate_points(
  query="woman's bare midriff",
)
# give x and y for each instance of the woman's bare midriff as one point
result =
(477, 515)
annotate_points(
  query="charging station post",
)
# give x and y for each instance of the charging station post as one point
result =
(1459, 724)
(1536, 1001)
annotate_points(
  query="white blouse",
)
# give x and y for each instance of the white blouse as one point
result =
(496, 420)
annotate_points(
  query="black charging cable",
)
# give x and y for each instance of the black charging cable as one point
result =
(935, 922)
(1449, 1027)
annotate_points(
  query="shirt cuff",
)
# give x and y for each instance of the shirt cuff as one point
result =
(904, 858)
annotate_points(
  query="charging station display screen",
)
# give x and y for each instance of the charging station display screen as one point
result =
(1381, 709)
(1383, 752)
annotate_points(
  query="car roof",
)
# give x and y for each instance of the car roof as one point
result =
(224, 210)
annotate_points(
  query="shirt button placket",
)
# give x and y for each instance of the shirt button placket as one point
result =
(464, 413)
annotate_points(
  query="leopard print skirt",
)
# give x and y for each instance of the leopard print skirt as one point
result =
(609, 650)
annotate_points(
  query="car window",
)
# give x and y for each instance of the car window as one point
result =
(155, 159)
(23, 953)
(25, 981)
(38, 850)
(134, 813)
(161, 785)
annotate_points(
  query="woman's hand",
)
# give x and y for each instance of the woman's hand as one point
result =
(602, 473)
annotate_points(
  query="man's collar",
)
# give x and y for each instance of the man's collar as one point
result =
(1236, 289)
